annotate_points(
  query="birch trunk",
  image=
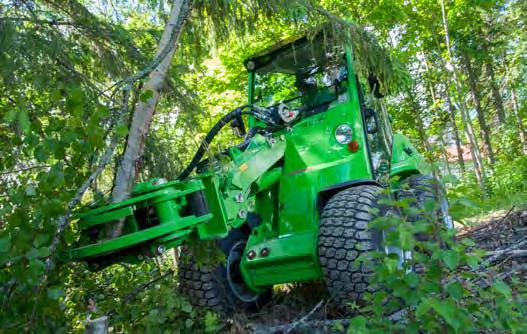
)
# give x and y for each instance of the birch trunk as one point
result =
(443, 147)
(144, 110)
(519, 120)
(484, 128)
(496, 95)
(419, 124)
(469, 131)
(457, 138)
(444, 152)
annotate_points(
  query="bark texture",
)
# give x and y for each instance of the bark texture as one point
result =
(519, 120)
(496, 95)
(484, 128)
(144, 110)
(467, 124)
(457, 138)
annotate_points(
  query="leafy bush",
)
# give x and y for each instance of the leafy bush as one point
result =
(444, 287)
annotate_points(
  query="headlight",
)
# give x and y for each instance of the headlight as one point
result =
(344, 134)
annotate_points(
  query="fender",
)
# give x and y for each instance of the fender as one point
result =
(326, 194)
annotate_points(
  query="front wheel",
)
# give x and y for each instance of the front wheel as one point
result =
(345, 235)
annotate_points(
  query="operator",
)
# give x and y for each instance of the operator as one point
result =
(313, 96)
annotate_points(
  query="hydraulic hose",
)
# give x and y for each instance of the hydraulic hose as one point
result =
(208, 139)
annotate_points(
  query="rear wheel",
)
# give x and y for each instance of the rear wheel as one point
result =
(344, 236)
(420, 189)
(220, 287)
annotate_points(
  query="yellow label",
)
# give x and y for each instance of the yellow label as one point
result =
(243, 167)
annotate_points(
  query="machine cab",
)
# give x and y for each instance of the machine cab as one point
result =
(310, 88)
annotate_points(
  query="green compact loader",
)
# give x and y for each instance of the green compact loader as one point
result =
(291, 203)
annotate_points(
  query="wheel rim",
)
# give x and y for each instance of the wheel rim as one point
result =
(403, 256)
(234, 275)
(448, 222)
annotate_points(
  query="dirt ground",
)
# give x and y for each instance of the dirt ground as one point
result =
(503, 234)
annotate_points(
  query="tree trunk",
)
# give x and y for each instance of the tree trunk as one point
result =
(444, 153)
(419, 123)
(496, 95)
(443, 147)
(469, 131)
(484, 129)
(455, 129)
(422, 133)
(144, 109)
(519, 120)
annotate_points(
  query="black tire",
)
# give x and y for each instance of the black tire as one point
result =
(344, 236)
(209, 285)
(418, 190)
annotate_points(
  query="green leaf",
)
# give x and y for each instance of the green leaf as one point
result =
(391, 264)
(468, 242)
(339, 327)
(448, 311)
(69, 236)
(122, 130)
(502, 287)
(5, 244)
(211, 322)
(455, 290)
(40, 154)
(10, 116)
(41, 239)
(358, 324)
(23, 122)
(44, 252)
(423, 308)
(36, 267)
(186, 307)
(450, 258)
(472, 261)
(30, 191)
(146, 95)
(55, 293)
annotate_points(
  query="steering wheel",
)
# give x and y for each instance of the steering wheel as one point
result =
(272, 115)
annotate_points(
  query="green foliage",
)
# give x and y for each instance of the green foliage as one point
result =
(139, 298)
(58, 60)
(444, 287)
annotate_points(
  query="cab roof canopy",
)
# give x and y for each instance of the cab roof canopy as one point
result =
(369, 57)
(294, 53)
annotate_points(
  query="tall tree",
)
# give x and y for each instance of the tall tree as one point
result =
(484, 129)
(145, 107)
(496, 95)
(469, 131)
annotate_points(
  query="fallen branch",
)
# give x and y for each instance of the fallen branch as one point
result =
(515, 253)
(514, 270)
(501, 276)
(489, 224)
(313, 326)
(288, 328)
(499, 253)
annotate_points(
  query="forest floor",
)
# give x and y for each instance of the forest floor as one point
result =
(304, 307)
